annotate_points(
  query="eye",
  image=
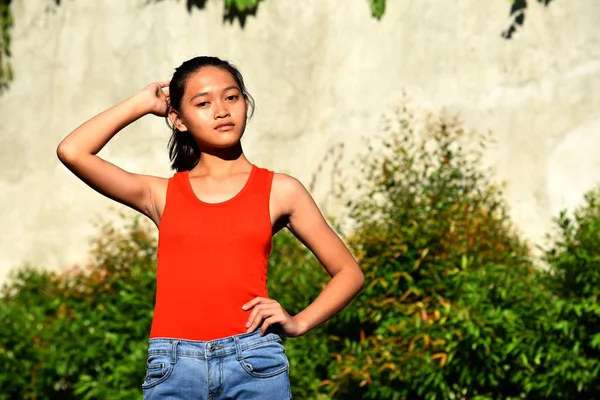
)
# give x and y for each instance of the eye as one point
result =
(233, 97)
(202, 104)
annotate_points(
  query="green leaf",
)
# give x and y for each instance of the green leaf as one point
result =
(377, 8)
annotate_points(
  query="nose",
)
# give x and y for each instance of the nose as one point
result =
(221, 110)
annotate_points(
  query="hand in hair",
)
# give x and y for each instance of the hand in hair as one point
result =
(156, 96)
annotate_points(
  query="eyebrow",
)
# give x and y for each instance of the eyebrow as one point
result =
(206, 93)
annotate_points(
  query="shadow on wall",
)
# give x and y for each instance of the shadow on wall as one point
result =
(231, 12)
(517, 14)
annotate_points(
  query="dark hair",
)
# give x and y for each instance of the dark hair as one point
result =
(183, 150)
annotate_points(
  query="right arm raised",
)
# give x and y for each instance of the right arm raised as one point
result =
(78, 152)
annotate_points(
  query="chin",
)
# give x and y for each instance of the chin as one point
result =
(226, 142)
(221, 140)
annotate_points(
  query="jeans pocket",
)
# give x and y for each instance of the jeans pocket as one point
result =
(264, 360)
(158, 369)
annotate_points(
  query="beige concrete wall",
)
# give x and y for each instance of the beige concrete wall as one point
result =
(321, 75)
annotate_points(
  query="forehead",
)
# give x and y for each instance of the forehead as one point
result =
(209, 79)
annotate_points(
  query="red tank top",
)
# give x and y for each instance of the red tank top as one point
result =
(212, 259)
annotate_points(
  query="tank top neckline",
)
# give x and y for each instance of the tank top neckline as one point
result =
(190, 190)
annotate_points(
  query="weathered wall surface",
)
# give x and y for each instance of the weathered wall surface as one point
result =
(321, 75)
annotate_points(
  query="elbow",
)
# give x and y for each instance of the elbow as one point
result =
(360, 280)
(65, 154)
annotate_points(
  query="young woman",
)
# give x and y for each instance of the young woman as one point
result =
(215, 332)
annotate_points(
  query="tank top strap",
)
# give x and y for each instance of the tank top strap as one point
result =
(262, 183)
(176, 185)
(172, 183)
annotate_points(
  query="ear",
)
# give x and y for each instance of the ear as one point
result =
(175, 119)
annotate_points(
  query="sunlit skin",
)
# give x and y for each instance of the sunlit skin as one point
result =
(214, 111)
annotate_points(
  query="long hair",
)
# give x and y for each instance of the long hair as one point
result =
(183, 149)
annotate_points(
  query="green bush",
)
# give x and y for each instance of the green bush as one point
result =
(432, 236)
(105, 316)
(453, 307)
(574, 277)
(27, 308)
(89, 325)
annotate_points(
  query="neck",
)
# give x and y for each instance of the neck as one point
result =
(218, 161)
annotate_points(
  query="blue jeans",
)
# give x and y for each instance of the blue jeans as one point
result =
(241, 367)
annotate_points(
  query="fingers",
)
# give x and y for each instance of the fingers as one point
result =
(164, 88)
(261, 312)
(160, 88)
(268, 322)
(259, 308)
(255, 301)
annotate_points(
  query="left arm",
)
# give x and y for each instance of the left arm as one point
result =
(306, 222)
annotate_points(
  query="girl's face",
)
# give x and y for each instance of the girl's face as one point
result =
(213, 109)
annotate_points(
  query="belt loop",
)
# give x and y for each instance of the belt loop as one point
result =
(238, 348)
(174, 344)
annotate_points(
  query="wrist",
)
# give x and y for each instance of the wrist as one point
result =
(302, 325)
(139, 105)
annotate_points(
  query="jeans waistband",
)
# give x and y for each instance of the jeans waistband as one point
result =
(208, 349)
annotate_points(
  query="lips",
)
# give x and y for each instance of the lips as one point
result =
(224, 126)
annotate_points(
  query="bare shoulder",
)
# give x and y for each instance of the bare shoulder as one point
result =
(289, 193)
(287, 188)
(285, 184)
